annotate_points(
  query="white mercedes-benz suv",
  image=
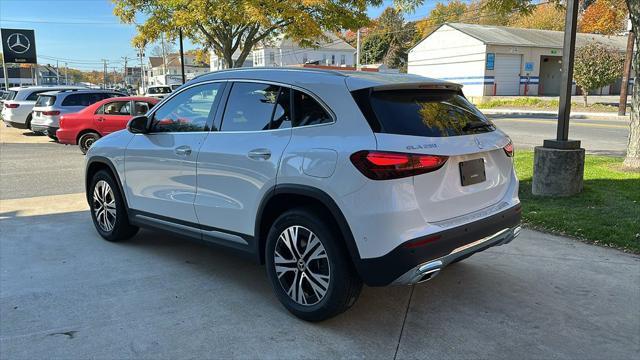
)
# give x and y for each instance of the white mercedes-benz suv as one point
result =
(329, 178)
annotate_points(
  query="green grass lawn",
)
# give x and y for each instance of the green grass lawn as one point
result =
(607, 212)
(542, 104)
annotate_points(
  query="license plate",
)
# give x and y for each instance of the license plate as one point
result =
(37, 113)
(472, 172)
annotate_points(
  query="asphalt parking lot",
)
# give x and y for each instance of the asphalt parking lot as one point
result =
(66, 293)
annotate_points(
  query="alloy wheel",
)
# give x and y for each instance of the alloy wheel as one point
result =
(302, 265)
(87, 141)
(104, 205)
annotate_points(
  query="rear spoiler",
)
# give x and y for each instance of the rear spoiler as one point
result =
(419, 86)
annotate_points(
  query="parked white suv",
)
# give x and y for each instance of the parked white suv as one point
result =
(51, 105)
(158, 91)
(331, 179)
(17, 107)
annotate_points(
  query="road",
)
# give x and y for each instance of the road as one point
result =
(35, 165)
(598, 136)
(66, 293)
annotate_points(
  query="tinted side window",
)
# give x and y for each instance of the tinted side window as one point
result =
(117, 108)
(141, 107)
(282, 113)
(307, 111)
(250, 107)
(188, 111)
(34, 95)
(74, 100)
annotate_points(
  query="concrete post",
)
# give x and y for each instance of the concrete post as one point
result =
(559, 163)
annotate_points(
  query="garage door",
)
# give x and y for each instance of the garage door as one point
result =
(507, 74)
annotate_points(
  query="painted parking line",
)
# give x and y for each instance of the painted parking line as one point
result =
(573, 123)
(43, 205)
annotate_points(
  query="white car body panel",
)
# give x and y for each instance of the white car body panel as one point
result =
(19, 115)
(170, 190)
(219, 186)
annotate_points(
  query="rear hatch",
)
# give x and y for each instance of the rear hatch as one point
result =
(43, 104)
(440, 121)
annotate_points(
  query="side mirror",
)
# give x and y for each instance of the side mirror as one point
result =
(138, 125)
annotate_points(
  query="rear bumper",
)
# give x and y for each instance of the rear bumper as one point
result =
(66, 136)
(420, 259)
(49, 130)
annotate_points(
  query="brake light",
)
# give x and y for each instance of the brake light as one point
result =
(11, 106)
(508, 149)
(50, 113)
(383, 165)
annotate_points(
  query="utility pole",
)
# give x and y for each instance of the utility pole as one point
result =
(184, 79)
(142, 85)
(164, 57)
(622, 105)
(66, 74)
(104, 74)
(124, 73)
(57, 73)
(358, 50)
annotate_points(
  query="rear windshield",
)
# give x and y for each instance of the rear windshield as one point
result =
(45, 100)
(421, 113)
(12, 95)
(159, 90)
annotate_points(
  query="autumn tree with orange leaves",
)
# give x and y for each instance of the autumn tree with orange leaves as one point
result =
(608, 17)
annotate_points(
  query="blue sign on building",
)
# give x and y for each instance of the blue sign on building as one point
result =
(491, 61)
(528, 66)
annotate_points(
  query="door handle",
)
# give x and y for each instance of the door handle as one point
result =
(101, 119)
(183, 150)
(259, 154)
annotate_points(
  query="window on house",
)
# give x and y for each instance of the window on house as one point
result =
(333, 59)
(272, 58)
(343, 59)
(304, 58)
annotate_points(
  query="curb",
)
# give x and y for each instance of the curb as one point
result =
(574, 115)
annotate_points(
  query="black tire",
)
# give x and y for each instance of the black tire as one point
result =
(27, 123)
(121, 229)
(86, 140)
(343, 284)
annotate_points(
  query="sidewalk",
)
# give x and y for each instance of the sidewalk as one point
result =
(548, 113)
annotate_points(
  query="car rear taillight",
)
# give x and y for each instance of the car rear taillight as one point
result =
(51, 113)
(11, 106)
(508, 149)
(384, 165)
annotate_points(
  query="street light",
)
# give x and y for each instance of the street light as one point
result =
(558, 168)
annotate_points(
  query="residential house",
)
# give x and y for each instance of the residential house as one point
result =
(159, 73)
(283, 51)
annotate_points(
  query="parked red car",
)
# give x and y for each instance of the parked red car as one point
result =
(100, 119)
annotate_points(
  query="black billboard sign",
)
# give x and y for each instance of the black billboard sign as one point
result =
(19, 46)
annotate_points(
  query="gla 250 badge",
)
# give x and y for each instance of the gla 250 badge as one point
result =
(422, 146)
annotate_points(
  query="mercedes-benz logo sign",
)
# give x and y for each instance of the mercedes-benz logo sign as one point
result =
(18, 43)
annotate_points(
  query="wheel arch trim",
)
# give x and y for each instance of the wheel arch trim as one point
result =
(316, 194)
(103, 161)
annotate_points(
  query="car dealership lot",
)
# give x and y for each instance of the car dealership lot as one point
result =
(65, 292)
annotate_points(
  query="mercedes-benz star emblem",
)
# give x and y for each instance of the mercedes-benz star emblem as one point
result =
(18, 43)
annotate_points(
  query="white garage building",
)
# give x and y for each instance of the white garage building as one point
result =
(498, 60)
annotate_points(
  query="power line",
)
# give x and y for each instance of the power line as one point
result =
(80, 22)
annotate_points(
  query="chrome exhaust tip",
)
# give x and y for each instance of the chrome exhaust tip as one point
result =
(516, 230)
(427, 271)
